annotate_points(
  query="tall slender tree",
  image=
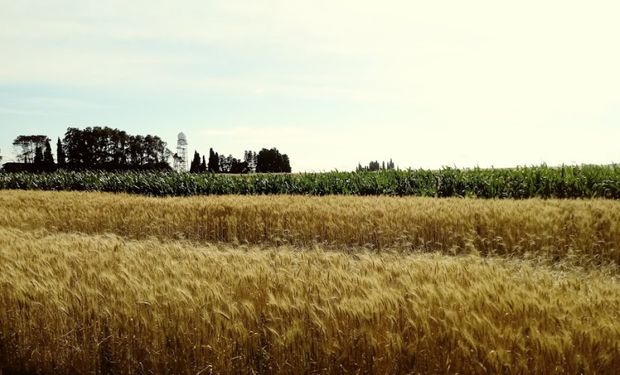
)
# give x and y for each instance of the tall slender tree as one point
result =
(203, 166)
(38, 156)
(214, 162)
(60, 154)
(195, 166)
(48, 158)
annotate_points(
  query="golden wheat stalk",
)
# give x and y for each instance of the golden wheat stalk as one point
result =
(74, 303)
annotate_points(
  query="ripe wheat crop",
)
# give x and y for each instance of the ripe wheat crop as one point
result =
(74, 303)
(123, 284)
(581, 230)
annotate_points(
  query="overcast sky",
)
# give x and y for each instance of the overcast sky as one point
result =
(331, 83)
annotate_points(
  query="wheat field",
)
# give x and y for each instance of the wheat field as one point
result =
(585, 230)
(116, 284)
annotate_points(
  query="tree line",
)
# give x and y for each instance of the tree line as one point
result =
(104, 148)
(265, 161)
(375, 166)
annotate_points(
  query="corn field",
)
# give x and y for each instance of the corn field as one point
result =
(586, 181)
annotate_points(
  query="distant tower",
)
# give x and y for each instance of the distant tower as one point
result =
(180, 160)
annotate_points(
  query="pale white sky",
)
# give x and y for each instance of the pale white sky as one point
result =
(331, 83)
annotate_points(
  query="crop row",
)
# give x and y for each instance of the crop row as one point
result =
(83, 304)
(586, 181)
(576, 231)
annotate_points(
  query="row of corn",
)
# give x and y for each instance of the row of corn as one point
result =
(585, 181)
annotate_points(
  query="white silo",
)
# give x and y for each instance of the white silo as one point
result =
(180, 160)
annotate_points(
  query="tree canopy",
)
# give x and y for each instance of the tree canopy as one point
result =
(104, 148)
(26, 146)
(96, 148)
(376, 166)
(271, 161)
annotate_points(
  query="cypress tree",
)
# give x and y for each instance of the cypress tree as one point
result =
(214, 162)
(195, 166)
(60, 154)
(38, 156)
(203, 166)
(48, 158)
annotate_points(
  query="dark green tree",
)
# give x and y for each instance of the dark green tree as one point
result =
(272, 161)
(60, 154)
(38, 156)
(374, 166)
(237, 166)
(203, 166)
(285, 164)
(48, 158)
(195, 165)
(214, 162)
(107, 148)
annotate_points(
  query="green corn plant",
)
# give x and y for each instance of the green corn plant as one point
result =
(585, 181)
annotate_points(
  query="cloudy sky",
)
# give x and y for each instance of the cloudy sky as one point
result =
(331, 83)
